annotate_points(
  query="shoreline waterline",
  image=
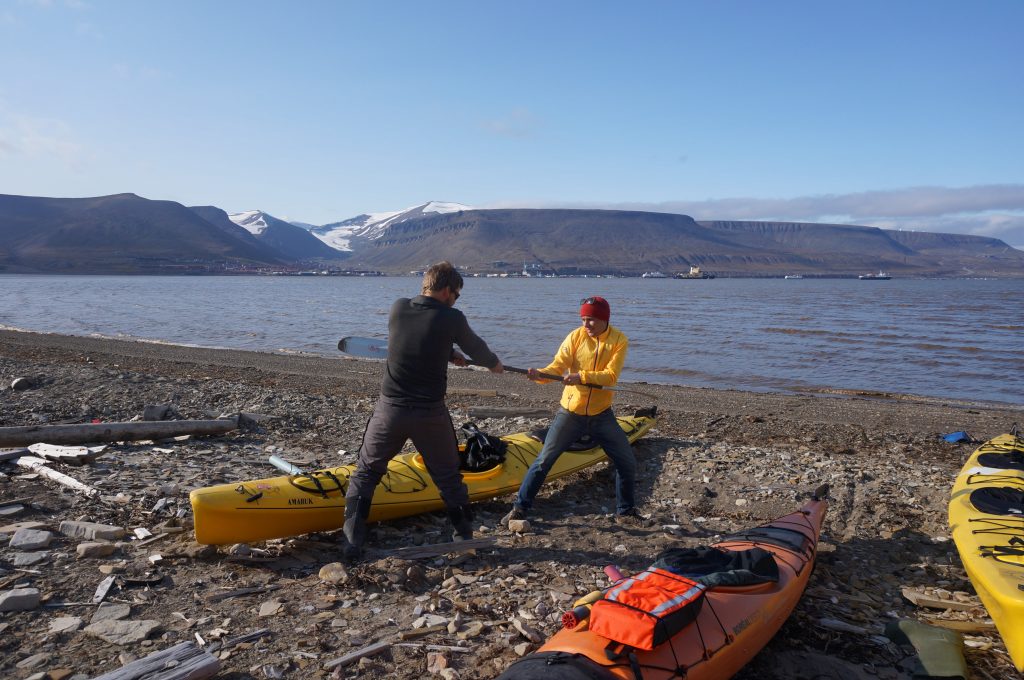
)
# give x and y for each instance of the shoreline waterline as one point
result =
(319, 364)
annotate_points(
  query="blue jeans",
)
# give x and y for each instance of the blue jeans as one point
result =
(567, 427)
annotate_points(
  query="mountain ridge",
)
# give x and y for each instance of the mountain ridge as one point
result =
(125, 233)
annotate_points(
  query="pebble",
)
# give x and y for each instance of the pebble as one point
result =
(770, 461)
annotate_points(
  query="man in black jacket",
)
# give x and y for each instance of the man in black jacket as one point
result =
(422, 332)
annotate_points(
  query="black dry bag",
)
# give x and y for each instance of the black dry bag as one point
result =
(482, 451)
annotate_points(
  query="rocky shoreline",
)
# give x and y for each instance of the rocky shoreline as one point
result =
(717, 461)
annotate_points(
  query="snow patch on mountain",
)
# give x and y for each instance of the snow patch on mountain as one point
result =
(253, 221)
(339, 235)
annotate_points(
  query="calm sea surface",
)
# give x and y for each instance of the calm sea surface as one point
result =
(960, 339)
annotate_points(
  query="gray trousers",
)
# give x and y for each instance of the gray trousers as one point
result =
(433, 435)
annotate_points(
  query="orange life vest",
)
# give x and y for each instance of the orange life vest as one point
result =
(647, 609)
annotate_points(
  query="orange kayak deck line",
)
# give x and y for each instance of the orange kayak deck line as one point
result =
(734, 624)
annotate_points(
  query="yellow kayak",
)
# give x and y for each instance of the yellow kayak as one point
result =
(277, 507)
(986, 516)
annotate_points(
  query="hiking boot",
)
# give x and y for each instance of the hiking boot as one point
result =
(357, 510)
(515, 513)
(633, 518)
(461, 519)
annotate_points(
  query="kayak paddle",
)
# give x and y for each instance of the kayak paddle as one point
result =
(370, 348)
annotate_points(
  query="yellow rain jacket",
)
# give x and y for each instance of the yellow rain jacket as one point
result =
(598, 361)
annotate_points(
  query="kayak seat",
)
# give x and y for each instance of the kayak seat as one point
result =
(790, 539)
(1002, 461)
(584, 443)
(715, 568)
(556, 666)
(999, 500)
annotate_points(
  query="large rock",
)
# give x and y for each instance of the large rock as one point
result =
(19, 600)
(29, 559)
(122, 632)
(30, 539)
(111, 611)
(65, 624)
(95, 550)
(91, 531)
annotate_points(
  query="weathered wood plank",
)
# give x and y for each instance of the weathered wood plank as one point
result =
(38, 465)
(69, 455)
(420, 632)
(217, 597)
(112, 432)
(185, 661)
(922, 600)
(434, 549)
(375, 648)
(11, 454)
(471, 392)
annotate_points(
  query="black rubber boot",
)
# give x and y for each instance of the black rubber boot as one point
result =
(462, 521)
(357, 509)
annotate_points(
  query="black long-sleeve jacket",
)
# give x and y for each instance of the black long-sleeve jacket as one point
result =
(421, 334)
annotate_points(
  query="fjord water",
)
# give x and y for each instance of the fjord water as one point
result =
(954, 339)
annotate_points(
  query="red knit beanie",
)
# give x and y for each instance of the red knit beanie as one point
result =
(596, 307)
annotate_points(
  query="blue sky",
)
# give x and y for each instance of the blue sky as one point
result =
(892, 114)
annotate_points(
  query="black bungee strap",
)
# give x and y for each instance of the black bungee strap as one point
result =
(1001, 526)
(998, 552)
(994, 479)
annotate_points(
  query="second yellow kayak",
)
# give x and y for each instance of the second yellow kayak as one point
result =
(986, 516)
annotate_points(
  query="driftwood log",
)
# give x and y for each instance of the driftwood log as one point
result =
(185, 661)
(375, 648)
(415, 552)
(112, 432)
(38, 465)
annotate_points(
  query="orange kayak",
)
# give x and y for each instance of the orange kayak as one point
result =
(732, 626)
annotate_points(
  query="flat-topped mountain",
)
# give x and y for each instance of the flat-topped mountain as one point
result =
(630, 243)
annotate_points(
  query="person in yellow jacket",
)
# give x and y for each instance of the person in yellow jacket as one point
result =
(592, 354)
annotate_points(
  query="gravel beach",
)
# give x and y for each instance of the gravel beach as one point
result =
(717, 461)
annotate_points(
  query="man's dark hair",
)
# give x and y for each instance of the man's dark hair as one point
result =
(440, 276)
